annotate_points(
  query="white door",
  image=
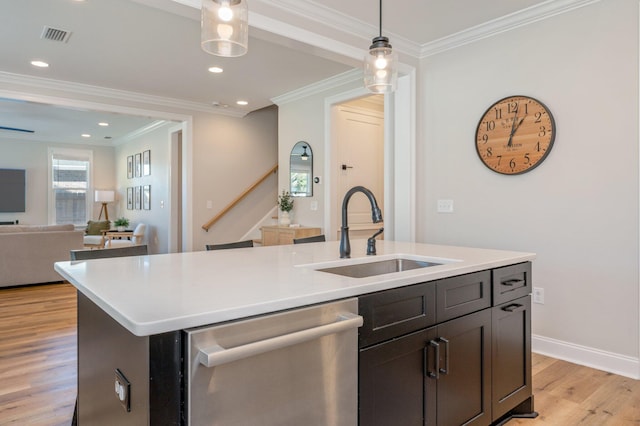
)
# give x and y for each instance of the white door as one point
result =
(359, 139)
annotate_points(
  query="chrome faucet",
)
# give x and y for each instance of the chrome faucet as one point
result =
(376, 216)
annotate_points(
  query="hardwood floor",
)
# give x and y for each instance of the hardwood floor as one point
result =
(569, 394)
(38, 370)
(37, 355)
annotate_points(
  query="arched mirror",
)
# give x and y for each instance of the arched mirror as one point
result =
(301, 170)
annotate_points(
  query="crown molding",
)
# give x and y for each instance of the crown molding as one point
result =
(509, 22)
(318, 87)
(330, 18)
(139, 132)
(338, 21)
(120, 95)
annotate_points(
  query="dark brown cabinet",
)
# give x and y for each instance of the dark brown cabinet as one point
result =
(511, 357)
(393, 389)
(438, 353)
(437, 376)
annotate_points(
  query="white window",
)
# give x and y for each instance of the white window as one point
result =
(70, 186)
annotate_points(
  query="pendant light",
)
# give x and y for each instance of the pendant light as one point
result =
(225, 27)
(304, 155)
(380, 64)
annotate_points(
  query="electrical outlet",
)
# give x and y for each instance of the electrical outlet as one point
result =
(538, 295)
(122, 388)
(445, 206)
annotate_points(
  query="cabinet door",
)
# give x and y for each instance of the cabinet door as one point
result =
(396, 312)
(392, 387)
(464, 385)
(511, 355)
(269, 237)
(285, 236)
(458, 296)
(511, 282)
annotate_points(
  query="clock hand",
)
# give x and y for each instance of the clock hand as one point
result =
(519, 123)
(513, 129)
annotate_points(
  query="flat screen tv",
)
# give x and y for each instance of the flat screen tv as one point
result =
(12, 190)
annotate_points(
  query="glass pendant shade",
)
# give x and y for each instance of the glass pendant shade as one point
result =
(381, 67)
(225, 27)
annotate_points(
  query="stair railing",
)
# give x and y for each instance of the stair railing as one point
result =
(239, 198)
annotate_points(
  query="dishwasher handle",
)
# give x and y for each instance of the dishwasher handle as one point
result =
(217, 355)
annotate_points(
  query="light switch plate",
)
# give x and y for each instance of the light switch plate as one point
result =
(445, 206)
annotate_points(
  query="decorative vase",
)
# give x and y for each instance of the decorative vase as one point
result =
(121, 228)
(284, 218)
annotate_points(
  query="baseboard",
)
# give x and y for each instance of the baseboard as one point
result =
(595, 358)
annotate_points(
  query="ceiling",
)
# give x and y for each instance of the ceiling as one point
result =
(151, 47)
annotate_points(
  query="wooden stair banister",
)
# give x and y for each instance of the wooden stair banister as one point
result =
(239, 198)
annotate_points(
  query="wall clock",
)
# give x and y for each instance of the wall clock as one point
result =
(515, 135)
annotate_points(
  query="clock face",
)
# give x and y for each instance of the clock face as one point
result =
(515, 135)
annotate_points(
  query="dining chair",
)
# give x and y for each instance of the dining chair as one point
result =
(238, 244)
(140, 250)
(314, 239)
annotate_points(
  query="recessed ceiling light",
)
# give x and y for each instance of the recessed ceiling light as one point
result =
(86, 135)
(242, 103)
(215, 70)
(39, 64)
(103, 124)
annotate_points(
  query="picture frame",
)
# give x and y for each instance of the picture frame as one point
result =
(130, 198)
(146, 162)
(146, 197)
(137, 193)
(130, 167)
(137, 162)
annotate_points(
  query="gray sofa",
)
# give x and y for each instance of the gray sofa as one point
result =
(28, 252)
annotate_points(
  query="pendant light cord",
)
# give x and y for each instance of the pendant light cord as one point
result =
(380, 18)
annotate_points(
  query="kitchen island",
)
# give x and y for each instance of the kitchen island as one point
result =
(144, 303)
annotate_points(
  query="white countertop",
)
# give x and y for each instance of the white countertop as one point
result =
(166, 292)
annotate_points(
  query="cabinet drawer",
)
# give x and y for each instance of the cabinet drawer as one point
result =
(462, 295)
(511, 282)
(392, 313)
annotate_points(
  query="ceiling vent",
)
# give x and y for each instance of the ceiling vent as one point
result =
(55, 34)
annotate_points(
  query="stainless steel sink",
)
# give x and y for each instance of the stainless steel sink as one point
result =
(380, 267)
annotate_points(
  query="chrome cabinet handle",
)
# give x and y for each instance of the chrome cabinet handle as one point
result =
(445, 370)
(431, 374)
(514, 307)
(217, 355)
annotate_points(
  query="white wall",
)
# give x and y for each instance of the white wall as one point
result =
(157, 219)
(579, 209)
(32, 156)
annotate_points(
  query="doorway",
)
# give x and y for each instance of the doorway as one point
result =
(358, 137)
(399, 198)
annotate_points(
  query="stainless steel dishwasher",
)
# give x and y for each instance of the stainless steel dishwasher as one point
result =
(298, 367)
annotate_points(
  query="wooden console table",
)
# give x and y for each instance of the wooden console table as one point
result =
(279, 235)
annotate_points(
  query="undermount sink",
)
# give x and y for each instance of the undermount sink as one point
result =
(380, 267)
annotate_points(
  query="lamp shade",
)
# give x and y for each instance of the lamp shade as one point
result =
(381, 67)
(103, 196)
(225, 27)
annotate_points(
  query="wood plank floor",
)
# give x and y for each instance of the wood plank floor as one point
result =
(37, 355)
(570, 394)
(38, 370)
